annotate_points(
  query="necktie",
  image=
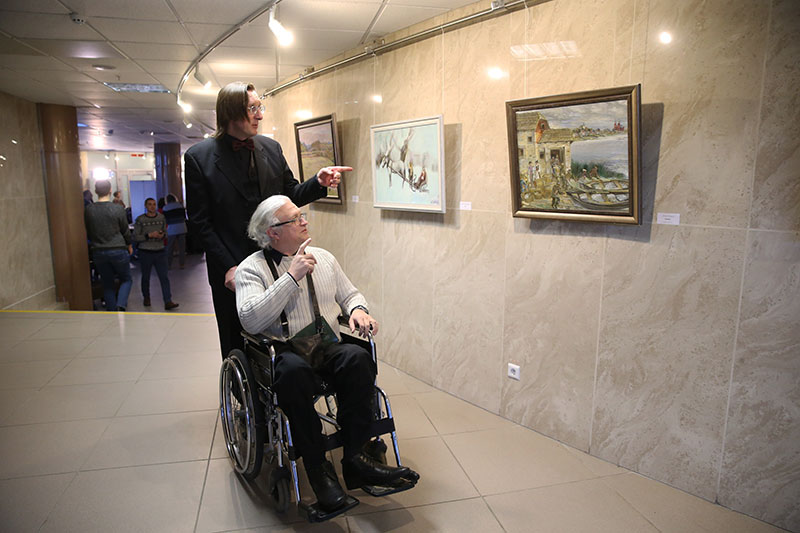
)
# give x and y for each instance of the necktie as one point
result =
(238, 145)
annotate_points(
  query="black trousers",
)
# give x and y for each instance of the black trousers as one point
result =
(349, 370)
(230, 329)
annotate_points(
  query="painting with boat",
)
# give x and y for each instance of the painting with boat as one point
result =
(576, 156)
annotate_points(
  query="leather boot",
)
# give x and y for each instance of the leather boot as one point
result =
(325, 484)
(362, 470)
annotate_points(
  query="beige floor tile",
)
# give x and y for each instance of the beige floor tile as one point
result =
(572, 507)
(152, 439)
(112, 346)
(134, 326)
(230, 503)
(452, 415)
(514, 458)
(14, 327)
(441, 478)
(33, 374)
(409, 418)
(598, 466)
(455, 517)
(142, 498)
(335, 525)
(101, 370)
(26, 502)
(185, 364)
(43, 350)
(218, 449)
(672, 510)
(198, 337)
(75, 326)
(47, 448)
(394, 381)
(72, 402)
(171, 396)
(11, 399)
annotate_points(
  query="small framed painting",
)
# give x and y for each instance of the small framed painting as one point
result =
(408, 165)
(577, 156)
(317, 147)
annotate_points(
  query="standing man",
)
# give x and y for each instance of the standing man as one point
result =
(107, 228)
(149, 231)
(175, 214)
(227, 176)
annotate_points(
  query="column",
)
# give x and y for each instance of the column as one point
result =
(63, 187)
(168, 169)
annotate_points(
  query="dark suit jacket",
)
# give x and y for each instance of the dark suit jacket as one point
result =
(217, 204)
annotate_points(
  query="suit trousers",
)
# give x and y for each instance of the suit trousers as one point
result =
(349, 370)
(228, 325)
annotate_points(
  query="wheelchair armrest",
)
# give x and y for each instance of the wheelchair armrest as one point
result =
(344, 320)
(258, 339)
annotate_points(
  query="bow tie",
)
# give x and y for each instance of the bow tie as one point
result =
(238, 145)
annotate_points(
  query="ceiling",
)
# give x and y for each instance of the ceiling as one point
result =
(47, 57)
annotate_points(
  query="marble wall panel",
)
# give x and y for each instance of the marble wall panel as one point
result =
(363, 257)
(479, 106)
(776, 194)
(355, 112)
(670, 299)
(761, 464)
(409, 247)
(552, 304)
(711, 103)
(467, 306)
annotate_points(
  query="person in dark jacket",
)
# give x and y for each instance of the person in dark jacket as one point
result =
(175, 214)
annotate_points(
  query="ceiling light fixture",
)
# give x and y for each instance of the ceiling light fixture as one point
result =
(186, 106)
(104, 67)
(284, 36)
(205, 82)
(187, 123)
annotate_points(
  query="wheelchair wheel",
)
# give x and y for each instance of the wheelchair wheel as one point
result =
(279, 488)
(242, 415)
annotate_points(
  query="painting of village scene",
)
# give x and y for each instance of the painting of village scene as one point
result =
(317, 147)
(576, 157)
(408, 165)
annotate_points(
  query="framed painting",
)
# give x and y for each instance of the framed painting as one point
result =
(318, 146)
(408, 165)
(577, 156)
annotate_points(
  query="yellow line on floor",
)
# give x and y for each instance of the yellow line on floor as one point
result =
(103, 312)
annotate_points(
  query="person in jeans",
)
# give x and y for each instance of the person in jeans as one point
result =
(175, 214)
(107, 229)
(149, 231)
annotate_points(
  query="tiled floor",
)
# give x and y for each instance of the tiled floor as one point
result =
(108, 423)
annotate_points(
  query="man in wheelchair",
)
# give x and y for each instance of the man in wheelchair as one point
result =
(276, 295)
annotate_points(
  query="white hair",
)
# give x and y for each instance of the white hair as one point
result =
(264, 217)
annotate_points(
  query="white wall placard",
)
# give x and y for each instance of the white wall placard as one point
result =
(466, 206)
(672, 219)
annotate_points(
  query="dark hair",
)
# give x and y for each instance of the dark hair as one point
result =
(148, 199)
(232, 104)
(161, 202)
(171, 198)
(102, 187)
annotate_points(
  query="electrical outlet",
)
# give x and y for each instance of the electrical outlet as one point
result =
(513, 371)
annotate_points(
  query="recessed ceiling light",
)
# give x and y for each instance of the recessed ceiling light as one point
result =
(137, 87)
(104, 67)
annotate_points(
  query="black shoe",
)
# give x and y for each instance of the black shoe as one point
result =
(121, 309)
(326, 486)
(170, 305)
(147, 302)
(362, 470)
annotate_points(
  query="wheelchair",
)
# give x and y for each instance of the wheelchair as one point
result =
(256, 430)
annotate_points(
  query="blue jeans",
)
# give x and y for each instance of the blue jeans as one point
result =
(111, 263)
(149, 260)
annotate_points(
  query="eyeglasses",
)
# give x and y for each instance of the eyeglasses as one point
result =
(253, 109)
(296, 220)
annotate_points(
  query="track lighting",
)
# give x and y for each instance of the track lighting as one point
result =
(205, 82)
(284, 36)
(187, 123)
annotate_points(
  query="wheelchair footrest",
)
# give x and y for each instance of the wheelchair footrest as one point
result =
(313, 513)
(392, 487)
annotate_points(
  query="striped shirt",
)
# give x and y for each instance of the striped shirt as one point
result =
(260, 300)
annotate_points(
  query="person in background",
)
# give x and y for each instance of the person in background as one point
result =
(227, 176)
(149, 231)
(175, 214)
(118, 199)
(87, 198)
(107, 229)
